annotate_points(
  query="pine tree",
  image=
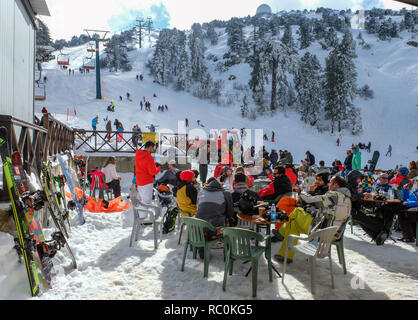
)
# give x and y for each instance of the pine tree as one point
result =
(309, 88)
(160, 64)
(305, 34)
(280, 59)
(340, 83)
(235, 41)
(385, 30)
(244, 107)
(287, 38)
(331, 38)
(197, 53)
(183, 80)
(212, 35)
(43, 36)
(256, 82)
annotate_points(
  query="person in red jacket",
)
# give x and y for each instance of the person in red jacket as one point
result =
(145, 172)
(291, 175)
(280, 185)
(402, 178)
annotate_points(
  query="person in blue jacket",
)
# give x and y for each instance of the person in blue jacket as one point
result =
(408, 218)
(94, 123)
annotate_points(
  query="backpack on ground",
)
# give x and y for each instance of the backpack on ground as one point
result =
(169, 220)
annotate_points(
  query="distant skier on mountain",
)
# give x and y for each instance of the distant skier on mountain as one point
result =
(155, 96)
(137, 77)
(166, 108)
(120, 98)
(187, 122)
(69, 72)
(140, 103)
(128, 95)
(141, 77)
(338, 142)
(272, 136)
(389, 151)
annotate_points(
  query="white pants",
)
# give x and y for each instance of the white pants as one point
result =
(145, 195)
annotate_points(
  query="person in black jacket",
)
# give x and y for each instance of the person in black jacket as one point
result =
(280, 185)
(348, 163)
(241, 186)
(371, 225)
(310, 159)
(274, 157)
(320, 186)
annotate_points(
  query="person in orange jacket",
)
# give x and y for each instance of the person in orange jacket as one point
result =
(145, 172)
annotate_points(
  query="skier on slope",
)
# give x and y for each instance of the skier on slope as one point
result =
(338, 142)
(120, 98)
(140, 103)
(128, 95)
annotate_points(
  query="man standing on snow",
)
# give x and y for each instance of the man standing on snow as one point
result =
(145, 172)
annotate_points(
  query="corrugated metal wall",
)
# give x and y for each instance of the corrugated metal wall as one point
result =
(17, 41)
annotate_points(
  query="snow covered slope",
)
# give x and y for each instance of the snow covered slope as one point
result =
(390, 68)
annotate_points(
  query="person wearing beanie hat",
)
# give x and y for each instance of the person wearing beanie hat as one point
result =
(45, 115)
(402, 178)
(320, 186)
(187, 193)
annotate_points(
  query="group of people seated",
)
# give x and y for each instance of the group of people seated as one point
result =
(323, 199)
(319, 198)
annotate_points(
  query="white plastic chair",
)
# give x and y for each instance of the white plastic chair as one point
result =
(317, 246)
(154, 217)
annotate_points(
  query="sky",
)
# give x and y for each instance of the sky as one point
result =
(70, 18)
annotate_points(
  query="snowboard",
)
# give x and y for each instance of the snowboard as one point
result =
(72, 189)
(25, 244)
(373, 162)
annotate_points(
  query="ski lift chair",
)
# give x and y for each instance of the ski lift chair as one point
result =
(40, 92)
(317, 246)
(154, 217)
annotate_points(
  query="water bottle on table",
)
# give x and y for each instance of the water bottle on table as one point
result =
(273, 213)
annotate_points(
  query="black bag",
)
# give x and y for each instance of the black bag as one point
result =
(246, 204)
(169, 220)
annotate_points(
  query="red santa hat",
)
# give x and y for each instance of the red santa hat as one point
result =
(44, 110)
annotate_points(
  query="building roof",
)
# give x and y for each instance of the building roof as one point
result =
(411, 2)
(40, 7)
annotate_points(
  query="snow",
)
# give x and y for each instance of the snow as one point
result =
(109, 269)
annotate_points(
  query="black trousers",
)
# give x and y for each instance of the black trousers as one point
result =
(115, 186)
(407, 222)
(382, 221)
(203, 172)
